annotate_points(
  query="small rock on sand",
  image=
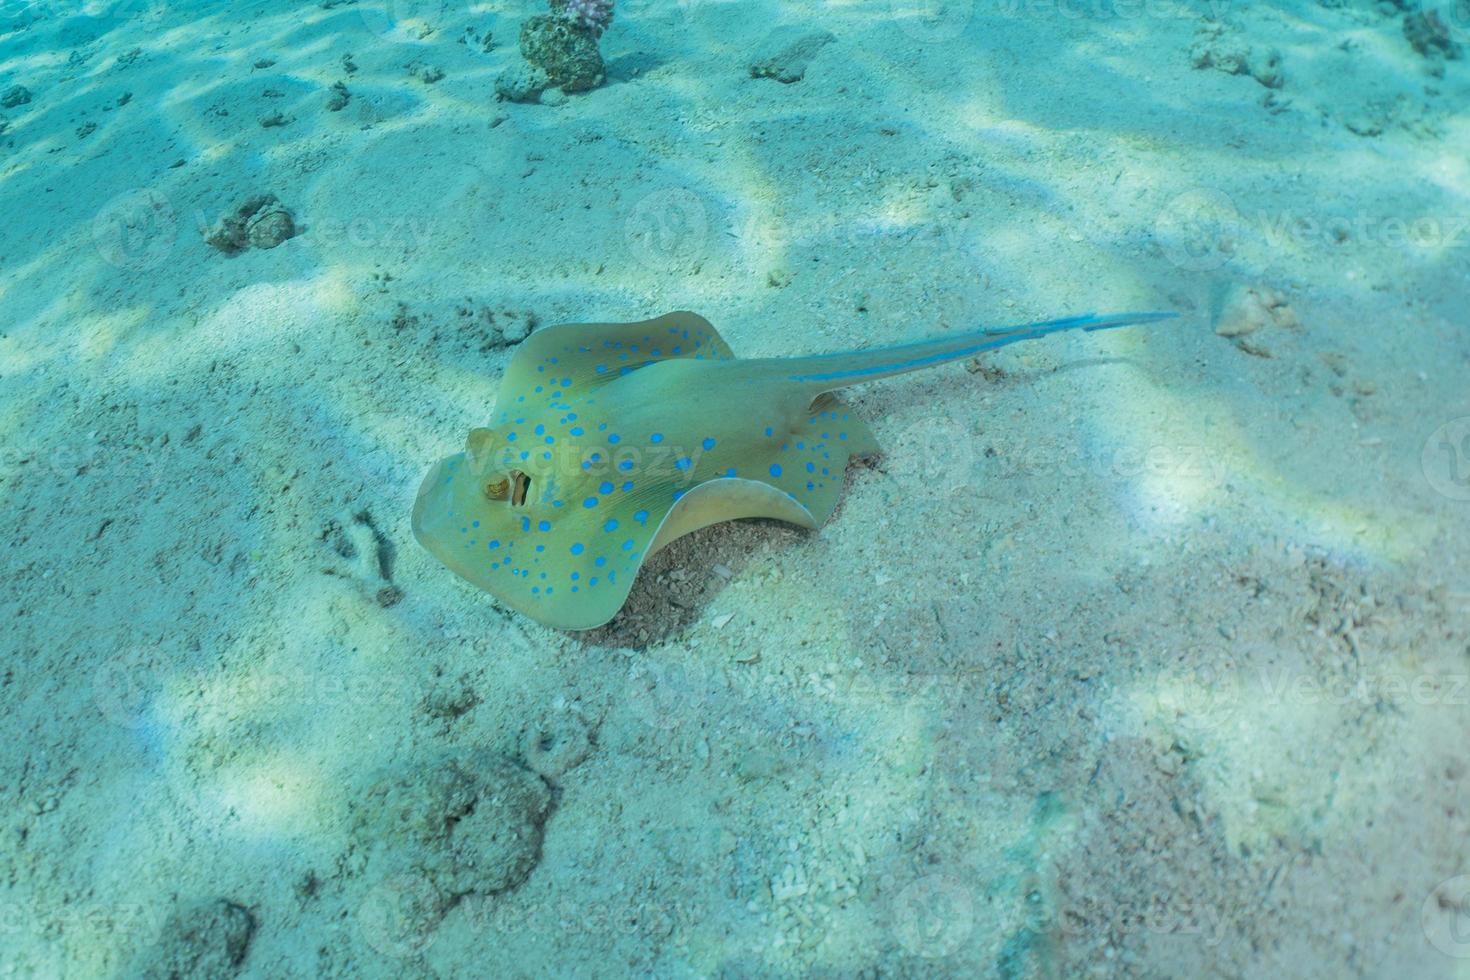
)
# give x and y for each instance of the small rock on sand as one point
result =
(1249, 308)
(208, 940)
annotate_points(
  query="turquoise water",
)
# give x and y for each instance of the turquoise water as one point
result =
(1139, 652)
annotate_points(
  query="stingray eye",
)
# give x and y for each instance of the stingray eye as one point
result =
(520, 483)
(497, 489)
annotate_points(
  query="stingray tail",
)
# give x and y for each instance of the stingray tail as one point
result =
(829, 371)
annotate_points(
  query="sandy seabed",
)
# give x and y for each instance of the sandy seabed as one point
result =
(1138, 654)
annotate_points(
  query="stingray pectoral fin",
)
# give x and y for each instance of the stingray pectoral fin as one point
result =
(728, 499)
(571, 357)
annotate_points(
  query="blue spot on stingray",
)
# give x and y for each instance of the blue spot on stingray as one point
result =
(811, 467)
(601, 368)
(566, 382)
(494, 544)
(576, 430)
(605, 487)
(656, 437)
(683, 463)
(611, 525)
(775, 469)
(590, 502)
(541, 547)
(540, 430)
(544, 525)
(524, 454)
(627, 485)
(614, 437)
(730, 471)
(800, 445)
(600, 561)
(539, 389)
(708, 444)
(628, 544)
(626, 464)
(641, 517)
(842, 435)
(474, 523)
(575, 576)
(679, 493)
(525, 524)
(511, 437)
(578, 548)
(768, 430)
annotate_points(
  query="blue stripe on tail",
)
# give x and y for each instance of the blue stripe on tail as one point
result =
(923, 354)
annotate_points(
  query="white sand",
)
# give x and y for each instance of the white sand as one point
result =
(1137, 655)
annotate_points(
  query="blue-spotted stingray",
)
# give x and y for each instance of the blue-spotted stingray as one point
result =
(610, 440)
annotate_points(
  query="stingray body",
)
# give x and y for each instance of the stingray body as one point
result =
(608, 441)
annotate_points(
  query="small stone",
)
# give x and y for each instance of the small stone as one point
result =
(554, 97)
(271, 229)
(205, 940)
(260, 222)
(340, 97)
(564, 49)
(14, 96)
(470, 824)
(521, 83)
